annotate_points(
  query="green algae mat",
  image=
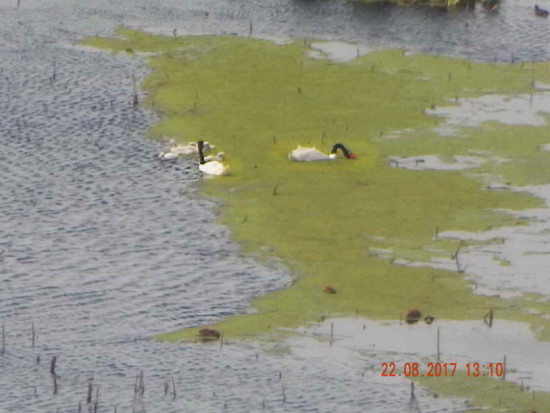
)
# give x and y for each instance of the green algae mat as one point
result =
(257, 100)
(344, 223)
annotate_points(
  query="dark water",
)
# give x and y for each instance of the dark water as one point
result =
(103, 246)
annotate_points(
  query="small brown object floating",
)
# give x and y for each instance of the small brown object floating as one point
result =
(209, 334)
(329, 289)
(413, 316)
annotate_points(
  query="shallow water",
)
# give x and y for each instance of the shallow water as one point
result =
(513, 33)
(460, 342)
(435, 162)
(103, 246)
(516, 265)
(521, 109)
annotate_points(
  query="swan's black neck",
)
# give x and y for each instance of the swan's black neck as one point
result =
(344, 150)
(200, 148)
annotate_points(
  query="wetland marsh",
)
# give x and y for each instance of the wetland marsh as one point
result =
(102, 226)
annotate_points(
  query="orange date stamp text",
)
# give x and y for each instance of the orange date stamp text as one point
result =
(438, 369)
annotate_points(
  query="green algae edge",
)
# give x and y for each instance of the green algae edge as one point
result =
(256, 101)
(493, 393)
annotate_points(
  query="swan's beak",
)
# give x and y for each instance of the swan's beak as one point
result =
(352, 156)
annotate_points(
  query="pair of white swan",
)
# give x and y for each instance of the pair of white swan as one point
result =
(311, 154)
(212, 165)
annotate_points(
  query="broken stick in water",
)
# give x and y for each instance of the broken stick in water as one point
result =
(52, 365)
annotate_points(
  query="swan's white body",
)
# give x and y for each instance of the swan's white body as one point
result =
(309, 154)
(168, 156)
(214, 168)
(184, 149)
(189, 148)
(220, 156)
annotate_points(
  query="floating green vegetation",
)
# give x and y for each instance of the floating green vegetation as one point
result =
(257, 100)
(495, 394)
(343, 223)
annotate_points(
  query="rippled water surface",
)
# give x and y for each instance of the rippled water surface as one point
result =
(102, 246)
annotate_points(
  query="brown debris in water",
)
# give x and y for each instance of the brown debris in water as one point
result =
(209, 334)
(413, 316)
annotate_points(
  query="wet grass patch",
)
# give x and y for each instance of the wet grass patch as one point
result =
(497, 395)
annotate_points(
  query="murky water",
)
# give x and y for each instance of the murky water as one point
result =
(102, 246)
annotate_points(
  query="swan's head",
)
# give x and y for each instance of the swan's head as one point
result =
(220, 156)
(347, 153)
(207, 146)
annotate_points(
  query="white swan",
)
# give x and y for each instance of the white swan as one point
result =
(184, 149)
(311, 154)
(168, 156)
(214, 167)
(220, 156)
(189, 148)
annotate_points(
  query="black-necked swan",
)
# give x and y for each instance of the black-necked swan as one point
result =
(311, 154)
(213, 167)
